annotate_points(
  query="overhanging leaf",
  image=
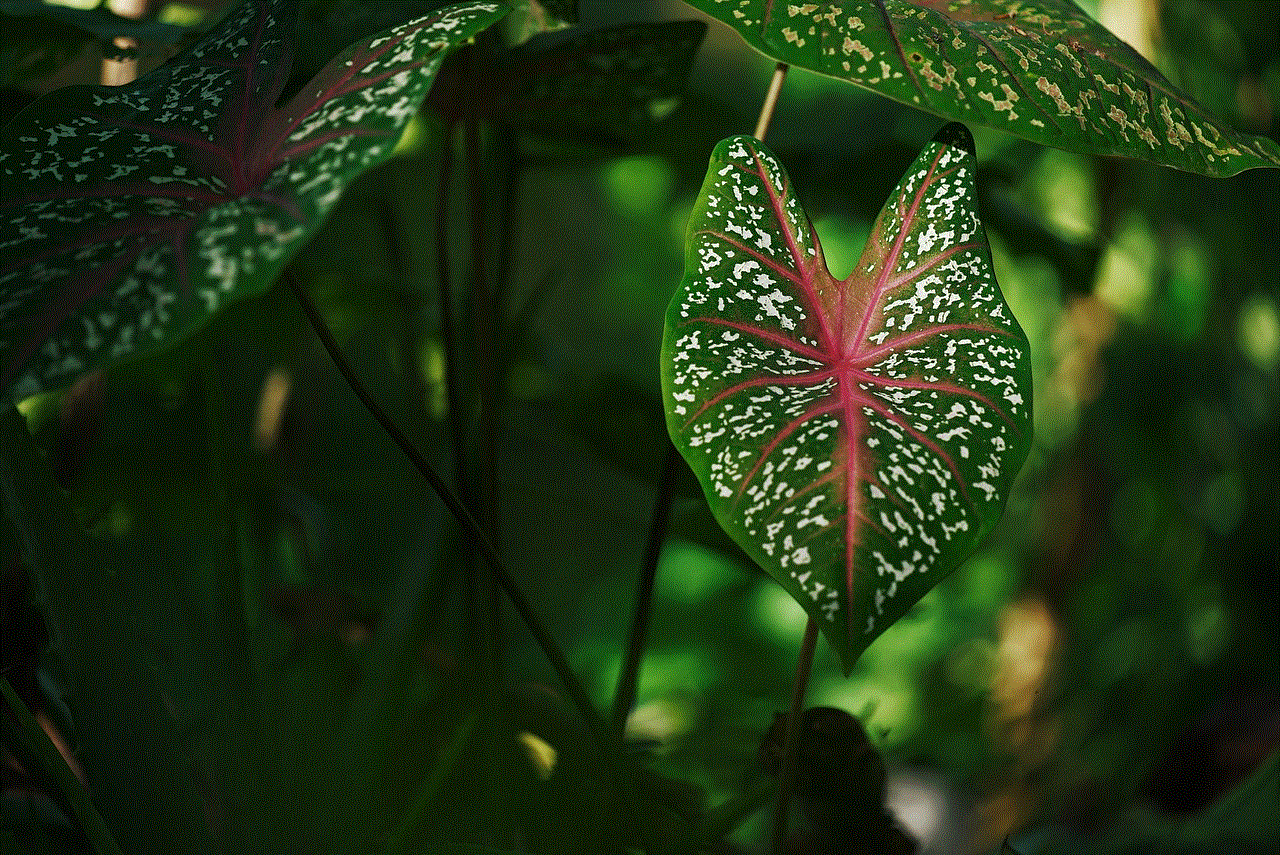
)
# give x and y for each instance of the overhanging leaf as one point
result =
(611, 82)
(1040, 69)
(99, 21)
(131, 214)
(857, 438)
(332, 25)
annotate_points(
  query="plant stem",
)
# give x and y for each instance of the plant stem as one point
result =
(410, 342)
(244, 706)
(448, 330)
(512, 167)
(787, 772)
(559, 663)
(484, 321)
(485, 316)
(37, 742)
(625, 695)
(770, 100)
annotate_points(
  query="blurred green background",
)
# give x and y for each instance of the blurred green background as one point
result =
(288, 643)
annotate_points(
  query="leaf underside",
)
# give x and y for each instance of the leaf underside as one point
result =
(1039, 69)
(857, 438)
(131, 214)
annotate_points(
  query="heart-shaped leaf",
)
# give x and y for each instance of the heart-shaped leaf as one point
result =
(1040, 69)
(857, 438)
(132, 214)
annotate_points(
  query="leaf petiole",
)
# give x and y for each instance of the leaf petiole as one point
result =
(770, 100)
(790, 745)
(555, 656)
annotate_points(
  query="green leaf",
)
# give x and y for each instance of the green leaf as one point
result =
(36, 744)
(132, 214)
(857, 438)
(614, 82)
(99, 21)
(331, 25)
(1040, 70)
(98, 620)
(541, 16)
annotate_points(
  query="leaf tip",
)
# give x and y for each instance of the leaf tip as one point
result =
(957, 135)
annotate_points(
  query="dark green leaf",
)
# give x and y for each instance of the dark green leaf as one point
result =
(330, 25)
(98, 21)
(1041, 70)
(615, 82)
(857, 438)
(134, 213)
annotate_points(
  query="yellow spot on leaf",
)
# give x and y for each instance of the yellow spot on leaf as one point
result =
(851, 45)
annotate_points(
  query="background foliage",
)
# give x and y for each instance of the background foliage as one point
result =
(282, 652)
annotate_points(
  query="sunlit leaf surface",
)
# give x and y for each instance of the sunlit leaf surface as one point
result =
(131, 214)
(1040, 69)
(857, 438)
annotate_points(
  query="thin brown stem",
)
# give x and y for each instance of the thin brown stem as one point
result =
(770, 100)
(787, 772)
(479, 540)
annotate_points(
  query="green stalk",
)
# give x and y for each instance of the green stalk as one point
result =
(625, 695)
(485, 319)
(486, 606)
(72, 791)
(787, 772)
(231, 587)
(480, 541)
(512, 168)
(410, 342)
(448, 328)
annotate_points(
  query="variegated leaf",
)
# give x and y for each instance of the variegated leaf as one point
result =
(1040, 69)
(132, 214)
(857, 438)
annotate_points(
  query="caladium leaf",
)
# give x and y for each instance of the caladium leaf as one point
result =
(331, 25)
(1040, 69)
(613, 82)
(857, 438)
(131, 214)
(618, 79)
